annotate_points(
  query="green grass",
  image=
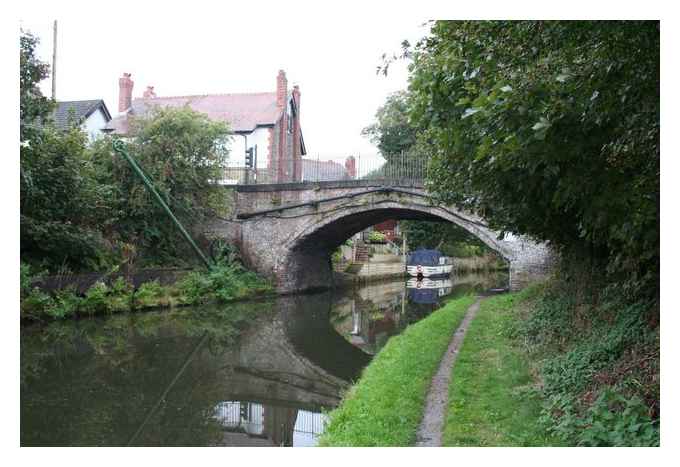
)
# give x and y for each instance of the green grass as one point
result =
(492, 399)
(386, 406)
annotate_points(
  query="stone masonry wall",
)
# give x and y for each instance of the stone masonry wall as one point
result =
(293, 246)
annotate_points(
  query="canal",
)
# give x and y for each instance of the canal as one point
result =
(246, 374)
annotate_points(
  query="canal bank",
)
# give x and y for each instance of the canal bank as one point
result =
(530, 372)
(223, 283)
(494, 398)
(386, 270)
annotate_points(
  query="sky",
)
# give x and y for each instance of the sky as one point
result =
(333, 62)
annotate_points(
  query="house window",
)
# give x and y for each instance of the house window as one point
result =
(291, 115)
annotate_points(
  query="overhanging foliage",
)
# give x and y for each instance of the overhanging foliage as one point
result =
(548, 128)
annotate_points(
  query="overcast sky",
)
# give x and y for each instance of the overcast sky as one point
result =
(333, 62)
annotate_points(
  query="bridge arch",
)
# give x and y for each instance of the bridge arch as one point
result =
(288, 232)
(305, 263)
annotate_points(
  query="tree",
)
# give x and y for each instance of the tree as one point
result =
(55, 207)
(82, 208)
(548, 128)
(392, 132)
(447, 237)
(184, 153)
(33, 106)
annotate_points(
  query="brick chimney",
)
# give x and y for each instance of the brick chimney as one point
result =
(351, 167)
(149, 93)
(125, 85)
(281, 89)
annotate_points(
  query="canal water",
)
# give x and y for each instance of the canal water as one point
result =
(247, 374)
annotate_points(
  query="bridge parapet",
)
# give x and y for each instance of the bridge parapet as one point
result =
(255, 198)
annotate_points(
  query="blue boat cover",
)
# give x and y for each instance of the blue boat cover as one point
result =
(424, 258)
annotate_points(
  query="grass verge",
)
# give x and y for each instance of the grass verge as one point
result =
(492, 398)
(386, 405)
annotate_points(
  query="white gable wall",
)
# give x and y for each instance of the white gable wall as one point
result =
(237, 148)
(93, 124)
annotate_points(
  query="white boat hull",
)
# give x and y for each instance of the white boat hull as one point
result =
(429, 271)
(444, 285)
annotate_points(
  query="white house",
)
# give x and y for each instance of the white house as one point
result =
(92, 116)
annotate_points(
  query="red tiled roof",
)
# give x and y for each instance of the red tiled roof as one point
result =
(243, 112)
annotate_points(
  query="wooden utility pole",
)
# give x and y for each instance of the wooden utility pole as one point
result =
(54, 62)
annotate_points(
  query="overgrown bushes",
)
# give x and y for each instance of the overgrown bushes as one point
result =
(222, 283)
(376, 237)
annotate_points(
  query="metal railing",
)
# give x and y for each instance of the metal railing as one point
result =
(389, 170)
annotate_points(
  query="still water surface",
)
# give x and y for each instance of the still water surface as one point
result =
(248, 374)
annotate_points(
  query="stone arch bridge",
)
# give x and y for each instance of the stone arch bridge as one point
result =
(288, 231)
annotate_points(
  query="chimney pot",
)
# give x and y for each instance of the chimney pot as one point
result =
(149, 93)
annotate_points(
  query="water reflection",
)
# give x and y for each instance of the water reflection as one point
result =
(254, 424)
(251, 374)
(370, 315)
(428, 291)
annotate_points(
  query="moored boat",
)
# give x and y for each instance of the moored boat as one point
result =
(428, 263)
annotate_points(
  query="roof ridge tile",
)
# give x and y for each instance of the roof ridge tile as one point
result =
(205, 95)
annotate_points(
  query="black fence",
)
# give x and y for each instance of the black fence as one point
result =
(82, 282)
(398, 169)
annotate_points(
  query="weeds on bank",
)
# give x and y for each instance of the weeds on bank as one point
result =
(223, 283)
(598, 361)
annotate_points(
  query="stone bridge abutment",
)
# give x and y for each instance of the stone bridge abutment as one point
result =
(288, 232)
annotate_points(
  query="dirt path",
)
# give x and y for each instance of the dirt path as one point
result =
(436, 405)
